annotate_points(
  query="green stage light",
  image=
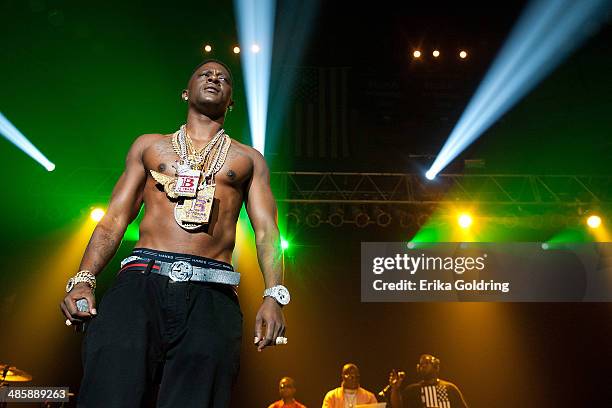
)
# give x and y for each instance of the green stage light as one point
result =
(284, 244)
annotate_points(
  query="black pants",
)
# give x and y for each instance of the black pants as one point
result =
(181, 338)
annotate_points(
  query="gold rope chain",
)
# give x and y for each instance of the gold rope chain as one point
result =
(183, 147)
(219, 158)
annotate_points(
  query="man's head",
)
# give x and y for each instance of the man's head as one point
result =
(286, 388)
(350, 376)
(209, 90)
(428, 367)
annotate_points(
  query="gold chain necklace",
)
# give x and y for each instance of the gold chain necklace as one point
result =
(183, 147)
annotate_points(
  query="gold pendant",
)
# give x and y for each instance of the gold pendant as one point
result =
(187, 183)
(191, 214)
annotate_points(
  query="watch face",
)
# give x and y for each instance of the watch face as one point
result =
(283, 296)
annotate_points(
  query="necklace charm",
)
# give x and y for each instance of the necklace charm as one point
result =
(187, 183)
(193, 213)
(194, 182)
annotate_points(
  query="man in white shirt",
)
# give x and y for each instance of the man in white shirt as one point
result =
(349, 394)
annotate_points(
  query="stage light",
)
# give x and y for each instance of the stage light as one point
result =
(313, 219)
(284, 244)
(207, 48)
(594, 221)
(236, 50)
(422, 219)
(294, 216)
(336, 217)
(406, 220)
(14, 136)
(463, 54)
(430, 175)
(546, 33)
(256, 26)
(361, 218)
(436, 53)
(465, 220)
(97, 214)
(416, 54)
(382, 217)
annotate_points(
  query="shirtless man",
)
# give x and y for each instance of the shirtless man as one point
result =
(171, 320)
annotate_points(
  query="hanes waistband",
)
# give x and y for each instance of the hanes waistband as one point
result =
(194, 260)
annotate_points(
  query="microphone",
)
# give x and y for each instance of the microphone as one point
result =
(400, 375)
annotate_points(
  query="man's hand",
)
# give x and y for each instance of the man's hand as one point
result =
(396, 378)
(68, 306)
(270, 316)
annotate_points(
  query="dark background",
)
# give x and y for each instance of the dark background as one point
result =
(81, 80)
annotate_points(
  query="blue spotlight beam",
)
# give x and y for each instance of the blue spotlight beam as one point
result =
(11, 133)
(256, 26)
(547, 32)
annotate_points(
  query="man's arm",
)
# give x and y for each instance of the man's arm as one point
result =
(124, 206)
(261, 207)
(371, 398)
(328, 401)
(459, 396)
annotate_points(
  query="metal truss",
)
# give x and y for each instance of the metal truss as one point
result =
(399, 188)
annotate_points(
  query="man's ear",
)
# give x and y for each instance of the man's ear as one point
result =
(185, 95)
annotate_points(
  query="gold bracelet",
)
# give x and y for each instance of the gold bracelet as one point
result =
(82, 276)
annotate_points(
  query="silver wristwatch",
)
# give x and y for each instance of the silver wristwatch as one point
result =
(279, 293)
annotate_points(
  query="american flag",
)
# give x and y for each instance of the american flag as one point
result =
(318, 118)
(435, 396)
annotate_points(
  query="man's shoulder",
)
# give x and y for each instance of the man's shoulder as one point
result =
(142, 142)
(446, 383)
(367, 392)
(246, 150)
(413, 386)
(149, 138)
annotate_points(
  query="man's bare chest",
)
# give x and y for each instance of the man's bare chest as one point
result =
(236, 170)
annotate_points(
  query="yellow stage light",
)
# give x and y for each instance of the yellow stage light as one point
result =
(97, 214)
(236, 50)
(463, 54)
(416, 54)
(207, 48)
(465, 220)
(594, 221)
(436, 53)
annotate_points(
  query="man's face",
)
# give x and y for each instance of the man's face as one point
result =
(427, 367)
(210, 88)
(350, 377)
(286, 388)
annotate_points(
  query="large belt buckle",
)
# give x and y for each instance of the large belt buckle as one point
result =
(180, 271)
